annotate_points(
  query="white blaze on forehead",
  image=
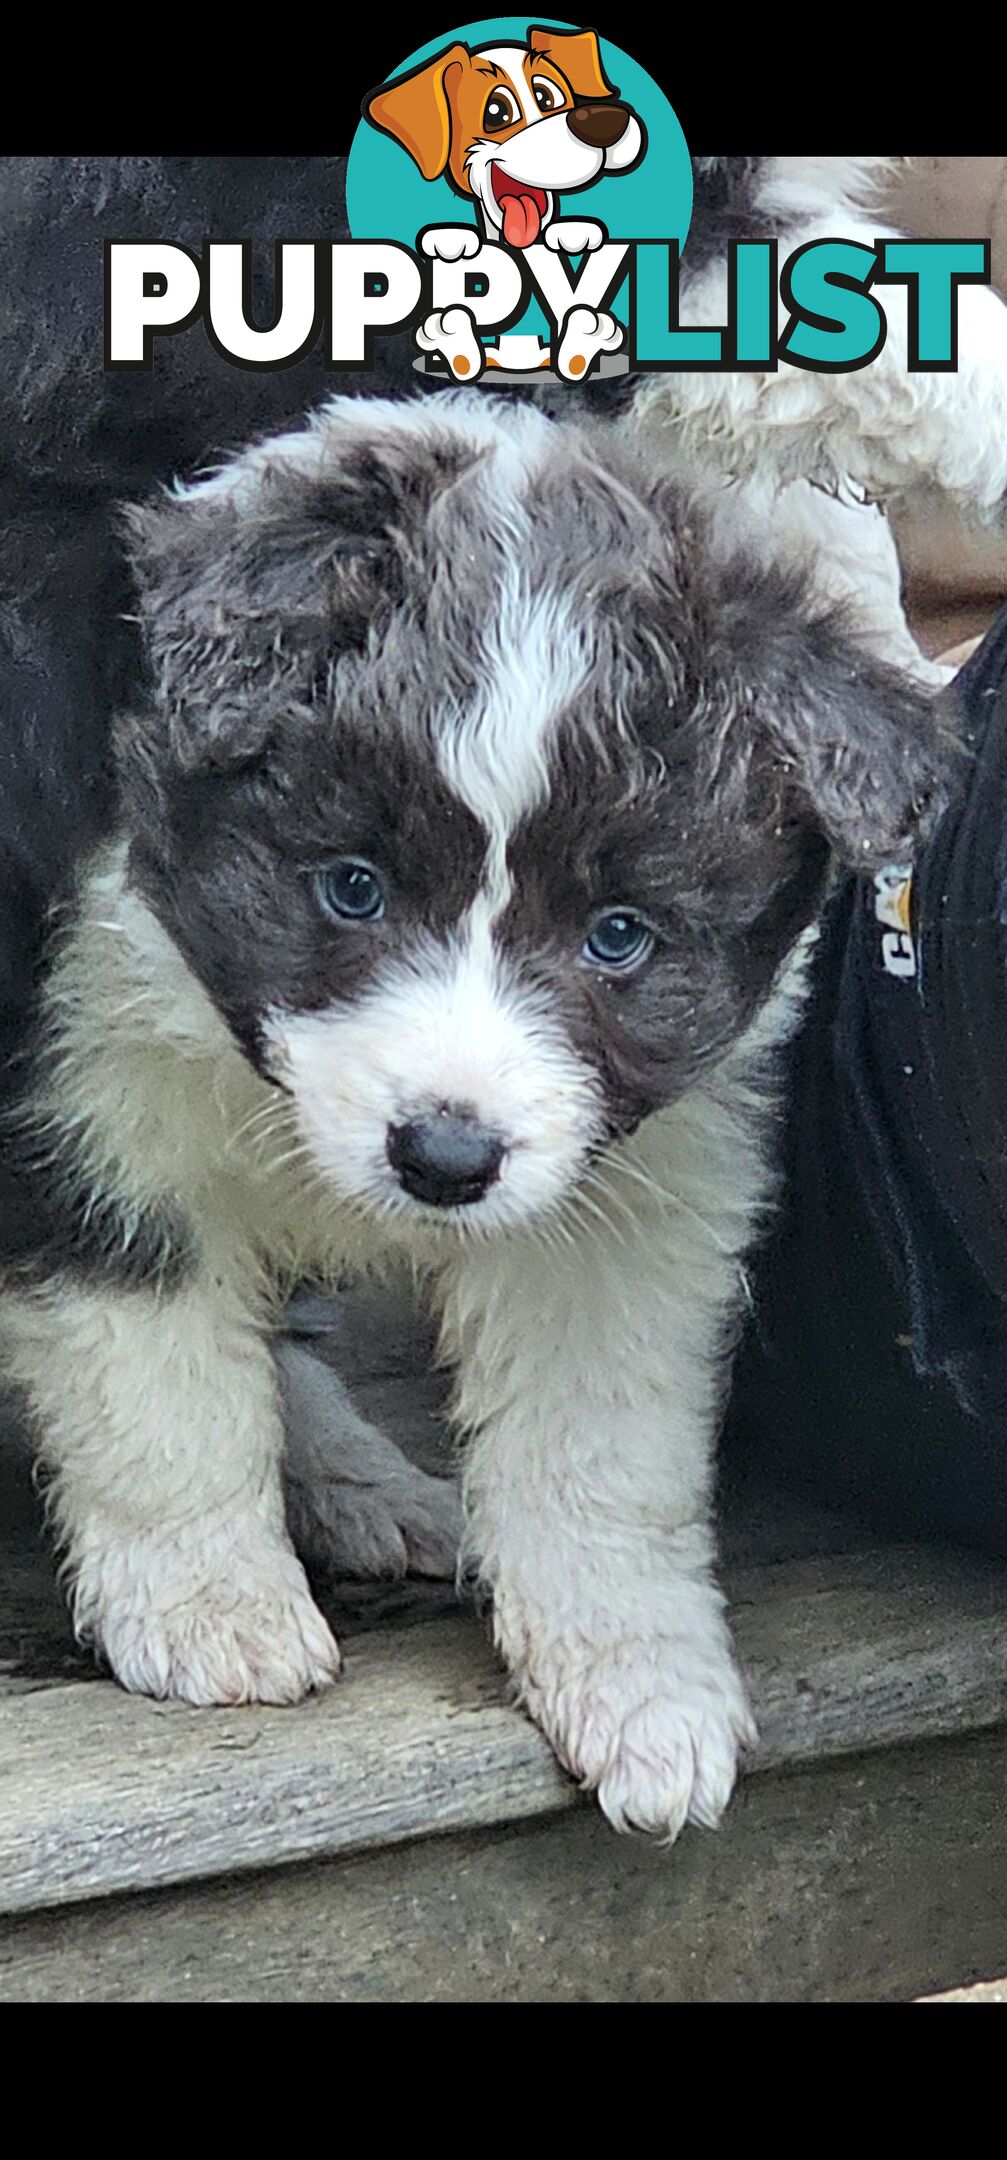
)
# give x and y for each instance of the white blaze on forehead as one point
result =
(534, 654)
(495, 757)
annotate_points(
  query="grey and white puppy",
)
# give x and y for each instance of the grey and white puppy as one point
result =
(470, 821)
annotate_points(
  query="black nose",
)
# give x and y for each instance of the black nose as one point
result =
(599, 125)
(448, 1160)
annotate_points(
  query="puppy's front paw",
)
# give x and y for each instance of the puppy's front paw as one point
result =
(405, 1523)
(356, 1505)
(236, 1625)
(654, 1729)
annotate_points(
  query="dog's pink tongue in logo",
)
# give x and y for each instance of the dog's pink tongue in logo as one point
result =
(521, 220)
(522, 208)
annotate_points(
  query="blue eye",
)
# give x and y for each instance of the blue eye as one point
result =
(351, 891)
(620, 939)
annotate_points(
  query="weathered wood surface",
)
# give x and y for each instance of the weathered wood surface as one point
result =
(872, 1878)
(102, 1792)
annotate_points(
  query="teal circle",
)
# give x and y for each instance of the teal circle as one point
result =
(387, 197)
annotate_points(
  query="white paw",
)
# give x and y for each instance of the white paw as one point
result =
(574, 236)
(239, 1627)
(585, 334)
(451, 332)
(450, 243)
(355, 1503)
(654, 1729)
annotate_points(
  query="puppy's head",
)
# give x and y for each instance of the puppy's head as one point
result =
(482, 802)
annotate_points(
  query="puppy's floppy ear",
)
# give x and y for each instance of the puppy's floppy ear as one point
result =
(577, 55)
(252, 584)
(416, 112)
(872, 753)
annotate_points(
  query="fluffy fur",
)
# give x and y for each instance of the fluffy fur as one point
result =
(489, 656)
(799, 465)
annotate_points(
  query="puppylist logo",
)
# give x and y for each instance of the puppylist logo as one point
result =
(519, 198)
(507, 158)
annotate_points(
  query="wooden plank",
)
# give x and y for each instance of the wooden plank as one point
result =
(874, 1878)
(101, 1792)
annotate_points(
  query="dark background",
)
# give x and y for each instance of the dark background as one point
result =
(294, 82)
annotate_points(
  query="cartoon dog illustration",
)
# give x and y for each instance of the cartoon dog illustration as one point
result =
(513, 126)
